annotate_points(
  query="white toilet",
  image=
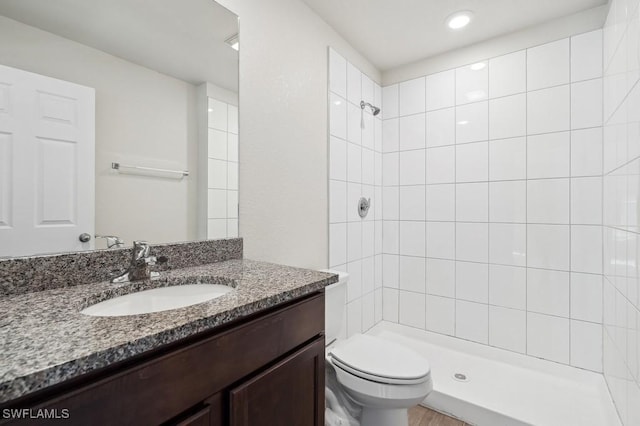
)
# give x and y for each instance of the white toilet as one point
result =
(382, 377)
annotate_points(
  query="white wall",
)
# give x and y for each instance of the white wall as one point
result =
(355, 171)
(283, 129)
(567, 26)
(621, 217)
(142, 117)
(491, 201)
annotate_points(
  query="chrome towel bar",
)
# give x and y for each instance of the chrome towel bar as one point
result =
(120, 167)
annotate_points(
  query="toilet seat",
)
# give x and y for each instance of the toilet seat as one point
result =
(380, 361)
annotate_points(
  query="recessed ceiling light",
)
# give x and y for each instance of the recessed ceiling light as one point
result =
(234, 42)
(459, 19)
(478, 66)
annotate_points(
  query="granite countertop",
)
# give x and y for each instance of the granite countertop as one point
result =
(45, 340)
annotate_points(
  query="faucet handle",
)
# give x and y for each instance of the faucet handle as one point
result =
(141, 249)
(112, 240)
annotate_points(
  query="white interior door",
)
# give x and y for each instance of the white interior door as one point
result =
(47, 165)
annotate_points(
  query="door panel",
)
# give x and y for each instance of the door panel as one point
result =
(56, 192)
(47, 174)
(290, 393)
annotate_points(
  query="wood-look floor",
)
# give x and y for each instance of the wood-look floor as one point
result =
(420, 416)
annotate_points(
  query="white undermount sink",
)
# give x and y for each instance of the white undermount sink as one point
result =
(157, 299)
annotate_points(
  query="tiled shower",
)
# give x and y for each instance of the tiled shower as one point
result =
(491, 201)
(504, 201)
(492, 210)
(487, 183)
(355, 171)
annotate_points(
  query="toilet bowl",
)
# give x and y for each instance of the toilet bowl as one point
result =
(384, 378)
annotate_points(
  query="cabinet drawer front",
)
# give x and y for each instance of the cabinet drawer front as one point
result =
(290, 393)
(201, 418)
(161, 388)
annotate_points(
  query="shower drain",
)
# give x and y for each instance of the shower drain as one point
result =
(461, 377)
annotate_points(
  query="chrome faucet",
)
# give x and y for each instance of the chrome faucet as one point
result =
(141, 260)
(112, 240)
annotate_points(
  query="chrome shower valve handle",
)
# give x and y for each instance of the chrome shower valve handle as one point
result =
(363, 206)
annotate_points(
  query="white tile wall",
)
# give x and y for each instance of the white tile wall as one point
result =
(508, 286)
(472, 162)
(548, 110)
(508, 159)
(356, 164)
(508, 74)
(492, 212)
(548, 201)
(508, 201)
(472, 83)
(412, 308)
(441, 90)
(549, 155)
(441, 127)
(472, 202)
(412, 132)
(472, 321)
(440, 202)
(440, 315)
(507, 328)
(586, 104)
(619, 285)
(217, 174)
(548, 292)
(472, 281)
(584, 64)
(472, 122)
(548, 65)
(441, 165)
(548, 337)
(222, 155)
(508, 243)
(411, 97)
(508, 117)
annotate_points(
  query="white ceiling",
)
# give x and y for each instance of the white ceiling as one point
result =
(391, 33)
(183, 39)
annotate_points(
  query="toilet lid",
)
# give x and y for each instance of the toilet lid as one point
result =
(380, 360)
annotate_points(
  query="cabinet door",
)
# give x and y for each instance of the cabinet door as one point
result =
(201, 418)
(290, 393)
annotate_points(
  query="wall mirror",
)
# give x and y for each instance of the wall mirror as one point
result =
(118, 121)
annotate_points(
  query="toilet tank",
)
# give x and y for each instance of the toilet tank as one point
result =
(334, 303)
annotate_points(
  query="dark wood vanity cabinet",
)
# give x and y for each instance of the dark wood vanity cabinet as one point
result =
(284, 394)
(264, 370)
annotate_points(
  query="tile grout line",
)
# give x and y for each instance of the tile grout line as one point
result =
(397, 277)
(361, 131)
(570, 181)
(489, 198)
(602, 219)
(526, 203)
(424, 217)
(455, 203)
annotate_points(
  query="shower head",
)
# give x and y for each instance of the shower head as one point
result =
(374, 109)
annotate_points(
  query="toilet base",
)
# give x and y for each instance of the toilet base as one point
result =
(384, 417)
